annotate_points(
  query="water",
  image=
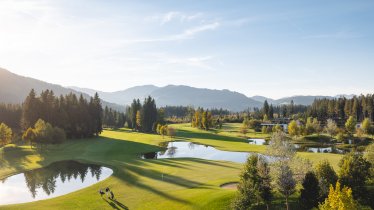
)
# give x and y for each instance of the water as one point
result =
(57, 179)
(257, 141)
(318, 149)
(192, 150)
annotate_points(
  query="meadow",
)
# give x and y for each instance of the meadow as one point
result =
(184, 183)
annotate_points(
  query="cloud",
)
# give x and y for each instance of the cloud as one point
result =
(337, 35)
(186, 34)
(175, 16)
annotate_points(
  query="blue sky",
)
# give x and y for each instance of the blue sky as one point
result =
(270, 48)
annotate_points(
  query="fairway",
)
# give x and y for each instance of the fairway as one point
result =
(184, 183)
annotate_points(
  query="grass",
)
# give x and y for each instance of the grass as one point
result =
(188, 183)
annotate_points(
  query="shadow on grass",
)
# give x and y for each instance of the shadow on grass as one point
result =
(116, 204)
(16, 157)
(119, 154)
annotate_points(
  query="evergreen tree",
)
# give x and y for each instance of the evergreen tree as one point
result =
(31, 110)
(309, 194)
(350, 125)
(326, 177)
(354, 171)
(265, 109)
(248, 188)
(265, 182)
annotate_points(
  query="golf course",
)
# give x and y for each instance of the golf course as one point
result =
(171, 183)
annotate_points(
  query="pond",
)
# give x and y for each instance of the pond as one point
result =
(257, 141)
(57, 179)
(192, 150)
(331, 149)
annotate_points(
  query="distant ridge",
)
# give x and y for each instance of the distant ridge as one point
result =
(181, 95)
(14, 89)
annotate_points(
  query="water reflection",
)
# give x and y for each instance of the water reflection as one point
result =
(257, 141)
(54, 180)
(330, 149)
(192, 150)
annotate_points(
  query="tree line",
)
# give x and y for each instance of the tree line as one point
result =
(321, 186)
(78, 117)
(144, 117)
(359, 107)
(113, 118)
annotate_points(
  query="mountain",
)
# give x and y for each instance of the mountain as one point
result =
(181, 95)
(14, 89)
(301, 100)
(262, 99)
(121, 97)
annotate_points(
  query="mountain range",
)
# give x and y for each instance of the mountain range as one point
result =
(14, 89)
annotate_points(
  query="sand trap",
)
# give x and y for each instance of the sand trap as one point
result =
(230, 185)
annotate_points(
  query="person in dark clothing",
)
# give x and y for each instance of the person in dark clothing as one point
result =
(101, 192)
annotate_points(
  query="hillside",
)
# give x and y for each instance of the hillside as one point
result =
(14, 89)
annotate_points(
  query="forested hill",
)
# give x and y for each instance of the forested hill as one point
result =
(14, 89)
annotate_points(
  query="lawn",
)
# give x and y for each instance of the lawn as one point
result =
(187, 184)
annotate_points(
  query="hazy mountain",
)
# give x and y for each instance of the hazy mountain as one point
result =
(175, 95)
(302, 100)
(14, 89)
(124, 97)
(262, 99)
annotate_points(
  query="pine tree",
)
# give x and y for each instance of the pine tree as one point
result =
(309, 194)
(326, 177)
(354, 171)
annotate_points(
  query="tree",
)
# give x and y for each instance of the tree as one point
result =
(350, 125)
(5, 134)
(366, 126)
(43, 132)
(326, 177)
(265, 109)
(280, 146)
(138, 120)
(58, 135)
(277, 128)
(148, 115)
(96, 112)
(170, 132)
(369, 156)
(354, 171)
(309, 127)
(339, 199)
(293, 128)
(309, 194)
(30, 110)
(248, 187)
(265, 182)
(285, 182)
(29, 136)
(244, 130)
(331, 127)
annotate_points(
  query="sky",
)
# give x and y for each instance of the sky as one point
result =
(270, 48)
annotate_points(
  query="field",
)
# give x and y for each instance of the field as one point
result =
(144, 184)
